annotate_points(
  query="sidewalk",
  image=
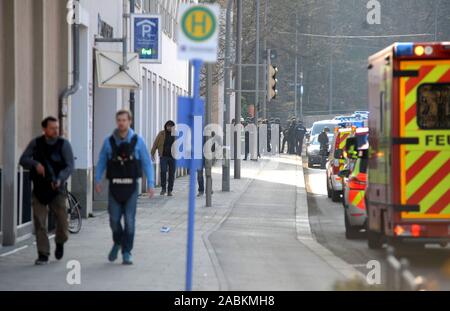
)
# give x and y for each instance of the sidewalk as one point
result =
(159, 258)
(256, 237)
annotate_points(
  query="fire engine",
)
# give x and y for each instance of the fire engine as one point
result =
(408, 194)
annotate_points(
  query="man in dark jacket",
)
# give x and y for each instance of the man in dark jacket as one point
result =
(292, 139)
(163, 143)
(50, 161)
(300, 136)
(324, 144)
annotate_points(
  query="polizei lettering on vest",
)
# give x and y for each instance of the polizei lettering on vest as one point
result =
(122, 181)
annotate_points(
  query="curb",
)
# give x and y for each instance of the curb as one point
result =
(305, 235)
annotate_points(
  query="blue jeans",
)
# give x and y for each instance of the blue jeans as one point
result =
(123, 236)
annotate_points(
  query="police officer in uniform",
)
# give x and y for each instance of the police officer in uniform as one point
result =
(124, 155)
(285, 136)
(300, 132)
(324, 146)
(292, 139)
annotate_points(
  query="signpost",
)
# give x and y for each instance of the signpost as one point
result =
(199, 32)
(146, 37)
(198, 42)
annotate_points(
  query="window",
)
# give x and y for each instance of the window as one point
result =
(433, 106)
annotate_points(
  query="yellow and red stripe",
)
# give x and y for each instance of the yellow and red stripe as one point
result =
(425, 174)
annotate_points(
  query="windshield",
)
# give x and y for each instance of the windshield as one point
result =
(315, 140)
(318, 127)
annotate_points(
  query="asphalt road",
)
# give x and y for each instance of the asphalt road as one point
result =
(327, 223)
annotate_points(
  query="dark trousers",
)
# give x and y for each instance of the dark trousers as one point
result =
(300, 145)
(292, 146)
(284, 144)
(167, 167)
(201, 181)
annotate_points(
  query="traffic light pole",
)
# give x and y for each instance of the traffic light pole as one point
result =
(266, 7)
(296, 68)
(257, 65)
(238, 82)
(132, 94)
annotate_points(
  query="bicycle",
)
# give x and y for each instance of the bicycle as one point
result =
(73, 213)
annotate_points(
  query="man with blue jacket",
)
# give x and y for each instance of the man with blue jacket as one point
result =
(124, 156)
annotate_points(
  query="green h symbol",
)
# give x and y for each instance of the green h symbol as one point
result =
(201, 23)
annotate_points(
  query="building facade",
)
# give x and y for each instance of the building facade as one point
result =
(36, 66)
(33, 73)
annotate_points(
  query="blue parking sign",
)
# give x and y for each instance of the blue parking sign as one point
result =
(146, 37)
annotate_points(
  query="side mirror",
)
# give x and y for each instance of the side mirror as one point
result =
(344, 173)
(338, 153)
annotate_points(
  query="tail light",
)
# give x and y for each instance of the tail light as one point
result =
(336, 166)
(356, 184)
(409, 230)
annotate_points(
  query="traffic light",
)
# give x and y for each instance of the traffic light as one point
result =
(272, 82)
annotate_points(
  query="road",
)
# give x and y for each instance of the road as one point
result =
(327, 223)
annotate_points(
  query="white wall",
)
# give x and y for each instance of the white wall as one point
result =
(92, 109)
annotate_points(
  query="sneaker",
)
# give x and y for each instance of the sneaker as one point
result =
(114, 252)
(170, 194)
(127, 259)
(59, 251)
(200, 194)
(163, 192)
(42, 260)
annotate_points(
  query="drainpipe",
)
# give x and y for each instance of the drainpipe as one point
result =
(132, 94)
(63, 98)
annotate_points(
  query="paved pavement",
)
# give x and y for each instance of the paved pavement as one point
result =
(255, 237)
(266, 244)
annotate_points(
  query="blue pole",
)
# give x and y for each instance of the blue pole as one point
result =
(192, 182)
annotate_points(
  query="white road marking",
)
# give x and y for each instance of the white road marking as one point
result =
(13, 251)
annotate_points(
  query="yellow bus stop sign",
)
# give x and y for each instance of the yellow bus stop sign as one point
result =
(199, 23)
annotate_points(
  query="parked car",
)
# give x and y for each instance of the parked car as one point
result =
(354, 178)
(313, 150)
(336, 162)
(318, 127)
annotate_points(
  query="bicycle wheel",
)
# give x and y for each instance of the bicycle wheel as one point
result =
(74, 214)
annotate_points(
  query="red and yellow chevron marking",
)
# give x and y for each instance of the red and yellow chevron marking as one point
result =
(343, 138)
(432, 72)
(428, 183)
(425, 174)
(356, 198)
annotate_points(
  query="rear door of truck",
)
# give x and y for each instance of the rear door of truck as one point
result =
(424, 130)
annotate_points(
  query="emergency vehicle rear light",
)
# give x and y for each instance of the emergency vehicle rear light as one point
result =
(419, 50)
(404, 49)
(429, 50)
(409, 230)
(356, 184)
